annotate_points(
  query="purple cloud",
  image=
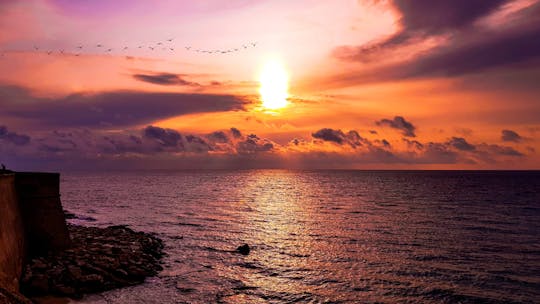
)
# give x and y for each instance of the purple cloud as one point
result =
(109, 109)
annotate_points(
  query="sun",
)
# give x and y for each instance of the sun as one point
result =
(274, 85)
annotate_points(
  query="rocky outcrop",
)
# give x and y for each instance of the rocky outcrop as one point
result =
(99, 259)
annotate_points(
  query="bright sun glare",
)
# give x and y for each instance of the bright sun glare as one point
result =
(274, 84)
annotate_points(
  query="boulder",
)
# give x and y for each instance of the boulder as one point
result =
(243, 249)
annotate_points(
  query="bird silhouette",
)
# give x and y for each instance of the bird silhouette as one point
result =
(172, 49)
(159, 43)
(62, 52)
(80, 47)
(170, 39)
(77, 55)
(99, 45)
(49, 52)
(140, 47)
(36, 48)
(188, 48)
(125, 48)
(254, 44)
(108, 50)
(152, 48)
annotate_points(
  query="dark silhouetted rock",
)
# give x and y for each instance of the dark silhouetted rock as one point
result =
(244, 249)
(100, 259)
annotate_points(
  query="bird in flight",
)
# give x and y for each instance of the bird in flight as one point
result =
(152, 48)
(125, 48)
(188, 48)
(62, 52)
(254, 44)
(99, 45)
(172, 49)
(108, 50)
(49, 52)
(159, 43)
(36, 48)
(80, 47)
(170, 39)
(77, 55)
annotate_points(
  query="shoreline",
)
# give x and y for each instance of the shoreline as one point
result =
(100, 259)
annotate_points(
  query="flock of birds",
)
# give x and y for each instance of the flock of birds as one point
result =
(166, 45)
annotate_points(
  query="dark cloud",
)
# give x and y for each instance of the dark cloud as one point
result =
(110, 109)
(399, 123)
(156, 147)
(461, 144)
(166, 137)
(13, 138)
(327, 134)
(413, 144)
(468, 47)
(439, 16)
(351, 138)
(254, 145)
(164, 79)
(509, 135)
(236, 133)
(218, 136)
(501, 150)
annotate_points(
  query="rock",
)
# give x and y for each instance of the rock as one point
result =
(39, 264)
(100, 259)
(244, 249)
(39, 284)
(65, 290)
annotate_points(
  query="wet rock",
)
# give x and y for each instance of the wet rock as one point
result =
(100, 259)
(244, 249)
(40, 283)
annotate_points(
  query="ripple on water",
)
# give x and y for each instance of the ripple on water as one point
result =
(325, 236)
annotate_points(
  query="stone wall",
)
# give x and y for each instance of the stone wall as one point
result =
(11, 234)
(42, 214)
(32, 222)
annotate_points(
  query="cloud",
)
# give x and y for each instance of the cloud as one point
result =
(13, 138)
(509, 135)
(399, 123)
(164, 79)
(439, 16)
(156, 147)
(464, 46)
(166, 137)
(501, 150)
(326, 134)
(352, 138)
(236, 133)
(461, 144)
(108, 109)
(413, 144)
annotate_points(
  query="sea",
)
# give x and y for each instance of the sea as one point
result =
(323, 236)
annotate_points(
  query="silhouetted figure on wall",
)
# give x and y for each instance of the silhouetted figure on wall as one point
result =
(4, 170)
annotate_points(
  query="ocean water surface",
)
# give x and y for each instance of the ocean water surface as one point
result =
(324, 236)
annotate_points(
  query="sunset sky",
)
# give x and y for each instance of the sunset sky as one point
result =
(133, 84)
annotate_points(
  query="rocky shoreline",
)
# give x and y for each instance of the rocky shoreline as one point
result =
(100, 259)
